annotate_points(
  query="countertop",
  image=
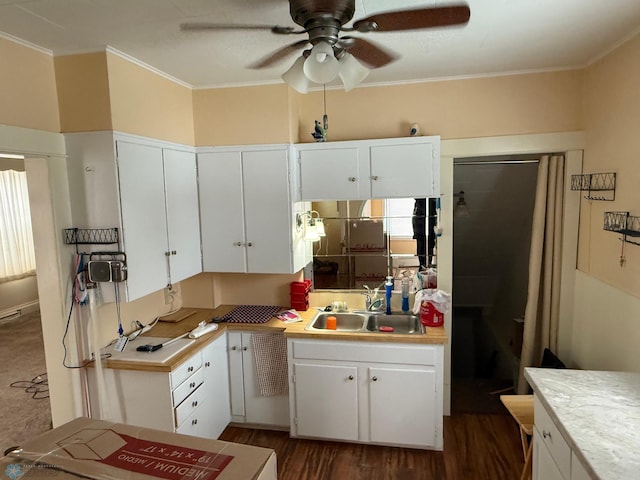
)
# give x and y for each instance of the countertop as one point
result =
(598, 413)
(435, 335)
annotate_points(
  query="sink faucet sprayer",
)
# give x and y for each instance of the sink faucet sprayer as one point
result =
(371, 301)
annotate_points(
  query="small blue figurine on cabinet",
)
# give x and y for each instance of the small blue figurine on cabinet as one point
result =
(319, 133)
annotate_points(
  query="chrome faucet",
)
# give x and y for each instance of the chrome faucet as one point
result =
(371, 301)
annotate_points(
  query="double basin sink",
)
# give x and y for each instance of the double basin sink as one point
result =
(368, 322)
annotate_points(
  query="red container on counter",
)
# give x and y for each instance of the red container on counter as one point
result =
(430, 316)
(299, 293)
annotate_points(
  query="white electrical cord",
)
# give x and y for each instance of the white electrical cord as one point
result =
(94, 346)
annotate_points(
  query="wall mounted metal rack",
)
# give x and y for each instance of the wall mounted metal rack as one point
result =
(90, 236)
(623, 223)
(605, 183)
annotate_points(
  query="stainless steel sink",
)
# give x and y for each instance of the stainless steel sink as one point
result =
(368, 322)
(350, 322)
(400, 323)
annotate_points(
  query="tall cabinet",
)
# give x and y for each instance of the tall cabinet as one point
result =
(146, 188)
(247, 211)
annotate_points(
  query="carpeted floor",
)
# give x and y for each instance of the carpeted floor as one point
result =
(25, 411)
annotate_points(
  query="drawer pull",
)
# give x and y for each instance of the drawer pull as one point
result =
(207, 364)
(546, 434)
(192, 384)
(194, 421)
(190, 369)
(352, 179)
(194, 404)
(350, 377)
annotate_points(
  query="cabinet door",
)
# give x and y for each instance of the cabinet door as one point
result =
(331, 173)
(326, 401)
(183, 217)
(402, 170)
(222, 212)
(544, 467)
(267, 211)
(272, 410)
(236, 375)
(144, 222)
(402, 405)
(215, 365)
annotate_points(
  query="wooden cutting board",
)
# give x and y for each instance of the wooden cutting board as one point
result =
(178, 316)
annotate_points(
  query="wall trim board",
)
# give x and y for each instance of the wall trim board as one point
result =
(24, 43)
(146, 66)
(18, 309)
(30, 142)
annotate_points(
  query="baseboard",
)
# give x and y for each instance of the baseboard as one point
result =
(17, 311)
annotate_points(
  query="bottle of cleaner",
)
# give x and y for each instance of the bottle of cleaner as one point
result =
(388, 287)
(405, 294)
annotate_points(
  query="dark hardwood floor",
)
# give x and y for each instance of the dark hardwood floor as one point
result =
(476, 447)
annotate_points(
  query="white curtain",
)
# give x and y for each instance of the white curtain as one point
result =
(17, 258)
(545, 259)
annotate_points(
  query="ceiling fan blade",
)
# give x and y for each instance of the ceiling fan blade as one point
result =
(278, 55)
(202, 26)
(372, 55)
(414, 19)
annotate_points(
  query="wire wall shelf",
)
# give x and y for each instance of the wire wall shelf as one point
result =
(623, 223)
(90, 236)
(605, 183)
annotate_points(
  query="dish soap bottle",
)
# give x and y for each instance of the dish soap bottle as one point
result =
(388, 288)
(405, 294)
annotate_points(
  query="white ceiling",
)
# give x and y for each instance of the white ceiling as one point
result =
(502, 35)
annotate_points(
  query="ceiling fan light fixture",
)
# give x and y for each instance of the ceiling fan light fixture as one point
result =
(295, 77)
(352, 72)
(322, 65)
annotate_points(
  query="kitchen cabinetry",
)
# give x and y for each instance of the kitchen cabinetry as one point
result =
(247, 211)
(247, 406)
(553, 458)
(146, 188)
(389, 168)
(388, 394)
(192, 399)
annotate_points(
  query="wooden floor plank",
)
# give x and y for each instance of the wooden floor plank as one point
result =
(476, 447)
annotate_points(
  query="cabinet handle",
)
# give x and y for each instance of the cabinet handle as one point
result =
(546, 434)
(238, 244)
(374, 378)
(249, 244)
(192, 384)
(244, 349)
(234, 348)
(174, 252)
(194, 404)
(374, 177)
(350, 377)
(189, 369)
(352, 179)
(194, 421)
(167, 254)
(207, 364)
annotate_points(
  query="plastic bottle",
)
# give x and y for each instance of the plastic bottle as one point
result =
(388, 287)
(405, 294)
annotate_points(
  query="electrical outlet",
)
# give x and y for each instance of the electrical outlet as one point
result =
(168, 296)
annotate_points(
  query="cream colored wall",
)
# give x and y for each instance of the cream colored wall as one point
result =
(83, 92)
(148, 104)
(605, 329)
(18, 293)
(242, 116)
(27, 88)
(480, 107)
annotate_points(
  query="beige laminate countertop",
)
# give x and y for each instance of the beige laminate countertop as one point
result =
(297, 330)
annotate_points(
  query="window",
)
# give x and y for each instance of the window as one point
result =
(17, 257)
(398, 217)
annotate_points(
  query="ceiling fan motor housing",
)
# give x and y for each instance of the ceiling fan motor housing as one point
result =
(322, 19)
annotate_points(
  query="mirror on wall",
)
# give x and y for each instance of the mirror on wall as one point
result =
(366, 240)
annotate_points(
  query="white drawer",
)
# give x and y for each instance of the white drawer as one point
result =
(186, 369)
(552, 438)
(188, 386)
(188, 405)
(192, 425)
(407, 354)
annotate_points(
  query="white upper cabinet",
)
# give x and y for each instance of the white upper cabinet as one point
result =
(148, 190)
(389, 168)
(246, 210)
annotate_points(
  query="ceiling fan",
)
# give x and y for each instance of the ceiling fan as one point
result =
(333, 54)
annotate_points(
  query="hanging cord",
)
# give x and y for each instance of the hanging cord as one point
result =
(117, 297)
(38, 386)
(325, 117)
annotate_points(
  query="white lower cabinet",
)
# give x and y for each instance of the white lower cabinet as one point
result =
(247, 405)
(553, 458)
(367, 392)
(192, 399)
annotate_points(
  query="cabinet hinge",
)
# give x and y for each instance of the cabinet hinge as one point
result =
(293, 379)
(295, 421)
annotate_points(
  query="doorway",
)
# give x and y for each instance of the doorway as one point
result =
(490, 273)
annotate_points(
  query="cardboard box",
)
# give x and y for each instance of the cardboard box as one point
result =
(104, 450)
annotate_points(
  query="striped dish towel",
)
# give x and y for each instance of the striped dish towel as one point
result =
(270, 357)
